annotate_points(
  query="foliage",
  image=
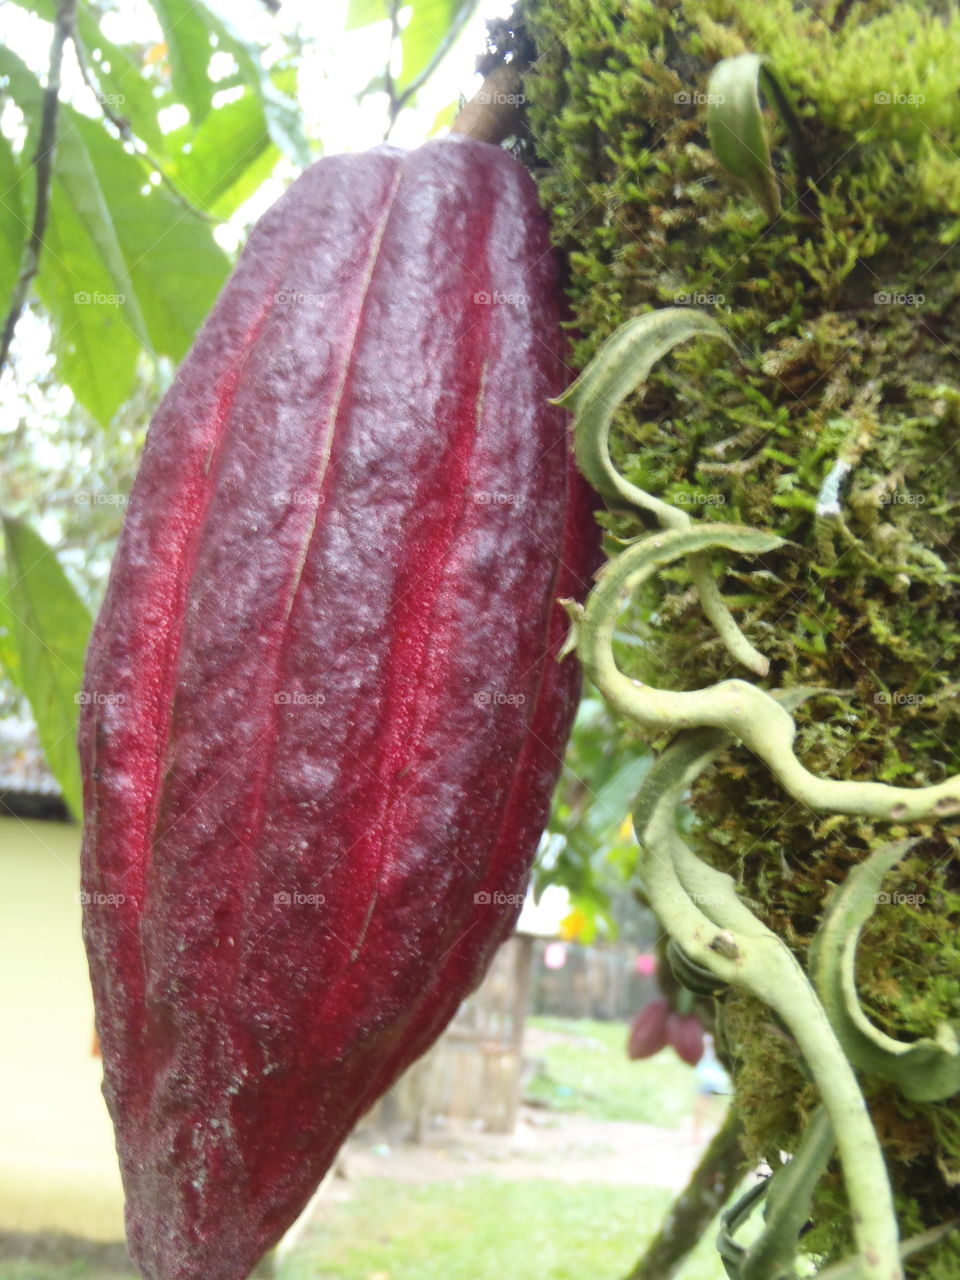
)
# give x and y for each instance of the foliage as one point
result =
(39, 601)
(590, 850)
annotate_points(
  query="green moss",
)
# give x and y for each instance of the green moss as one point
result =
(866, 607)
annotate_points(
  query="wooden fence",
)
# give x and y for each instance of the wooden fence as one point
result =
(474, 1072)
(595, 982)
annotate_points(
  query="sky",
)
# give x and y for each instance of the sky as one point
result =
(337, 64)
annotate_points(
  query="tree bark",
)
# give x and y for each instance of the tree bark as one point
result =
(712, 1183)
(836, 426)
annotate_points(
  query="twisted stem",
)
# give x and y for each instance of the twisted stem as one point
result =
(699, 907)
(747, 712)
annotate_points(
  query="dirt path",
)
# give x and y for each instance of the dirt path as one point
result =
(565, 1147)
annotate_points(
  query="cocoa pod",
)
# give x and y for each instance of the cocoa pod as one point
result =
(323, 716)
(648, 1030)
(685, 1034)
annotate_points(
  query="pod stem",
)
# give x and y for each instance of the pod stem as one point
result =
(493, 113)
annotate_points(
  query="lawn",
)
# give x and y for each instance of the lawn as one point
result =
(589, 1072)
(482, 1228)
(485, 1229)
(473, 1229)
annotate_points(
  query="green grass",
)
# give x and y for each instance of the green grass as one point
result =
(485, 1229)
(589, 1072)
(16, 1269)
(471, 1229)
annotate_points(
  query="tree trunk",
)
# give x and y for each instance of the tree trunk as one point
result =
(845, 318)
(711, 1184)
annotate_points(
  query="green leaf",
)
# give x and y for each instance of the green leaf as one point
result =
(282, 114)
(610, 804)
(129, 94)
(363, 13)
(9, 657)
(736, 128)
(81, 292)
(187, 28)
(231, 140)
(13, 222)
(110, 238)
(444, 118)
(176, 266)
(89, 195)
(21, 85)
(429, 34)
(51, 626)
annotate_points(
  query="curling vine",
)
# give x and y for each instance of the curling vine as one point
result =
(713, 933)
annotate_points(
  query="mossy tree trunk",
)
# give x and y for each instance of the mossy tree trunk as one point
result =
(845, 314)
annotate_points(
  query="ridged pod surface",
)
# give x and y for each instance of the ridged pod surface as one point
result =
(685, 1034)
(323, 716)
(648, 1030)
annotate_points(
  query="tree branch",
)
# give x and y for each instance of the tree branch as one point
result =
(398, 100)
(43, 164)
(714, 1179)
(124, 128)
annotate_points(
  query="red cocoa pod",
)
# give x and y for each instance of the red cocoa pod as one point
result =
(685, 1034)
(648, 1030)
(323, 716)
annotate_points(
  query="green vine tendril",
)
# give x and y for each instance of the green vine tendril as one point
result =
(716, 939)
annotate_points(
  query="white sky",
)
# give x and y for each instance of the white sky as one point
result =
(336, 65)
